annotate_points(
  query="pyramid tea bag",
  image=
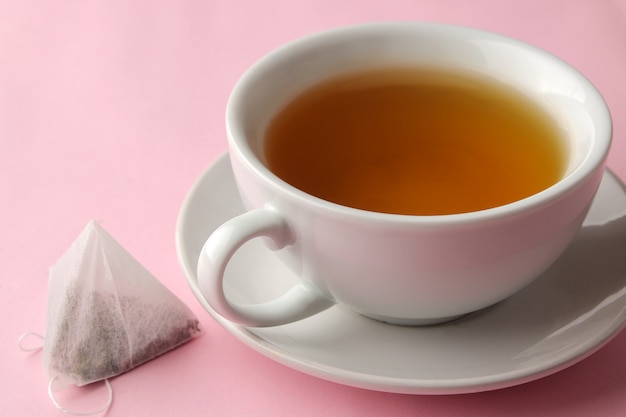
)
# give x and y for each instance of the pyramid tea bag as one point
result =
(107, 314)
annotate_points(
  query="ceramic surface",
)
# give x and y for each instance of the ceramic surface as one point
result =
(572, 310)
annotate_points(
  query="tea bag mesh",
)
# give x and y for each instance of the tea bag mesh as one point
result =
(107, 314)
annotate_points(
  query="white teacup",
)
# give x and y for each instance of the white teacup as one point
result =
(401, 269)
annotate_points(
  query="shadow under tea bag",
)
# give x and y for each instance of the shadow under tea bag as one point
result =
(107, 314)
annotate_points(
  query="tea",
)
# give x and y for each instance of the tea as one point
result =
(415, 141)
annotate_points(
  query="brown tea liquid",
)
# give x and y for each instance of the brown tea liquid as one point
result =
(415, 141)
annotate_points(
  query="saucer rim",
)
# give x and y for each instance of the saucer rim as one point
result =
(383, 383)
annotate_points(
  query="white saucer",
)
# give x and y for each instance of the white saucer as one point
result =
(566, 315)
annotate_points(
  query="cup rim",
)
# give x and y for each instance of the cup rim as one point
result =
(594, 160)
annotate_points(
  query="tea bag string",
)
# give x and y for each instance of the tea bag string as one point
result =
(81, 413)
(30, 335)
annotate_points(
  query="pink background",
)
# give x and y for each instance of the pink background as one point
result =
(111, 109)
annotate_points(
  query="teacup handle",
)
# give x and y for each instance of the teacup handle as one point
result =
(301, 301)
